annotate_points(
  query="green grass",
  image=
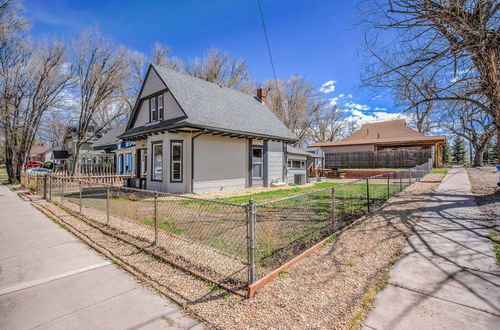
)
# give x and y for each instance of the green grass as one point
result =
(376, 190)
(442, 170)
(495, 237)
(168, 226)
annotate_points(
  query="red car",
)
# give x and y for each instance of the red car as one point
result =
(33, 165)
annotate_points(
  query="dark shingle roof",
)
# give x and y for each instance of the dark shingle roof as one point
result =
(209, 105)
(297, 151)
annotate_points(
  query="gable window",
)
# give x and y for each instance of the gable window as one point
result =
(157, 161)
(156, 108)
(176, 161)
(257, 166)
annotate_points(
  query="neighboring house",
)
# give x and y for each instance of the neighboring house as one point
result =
(383, 144)
(316, 158)
(58, 157)
(194, 136)
(122, 152)
(297, 165)
(38, 153)
(86, 155)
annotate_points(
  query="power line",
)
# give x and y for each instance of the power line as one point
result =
(269, 50)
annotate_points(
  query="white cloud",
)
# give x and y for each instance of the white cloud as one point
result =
(356, 106)
(334, 101)
(379, 108)
(328, 87)
(363, 118)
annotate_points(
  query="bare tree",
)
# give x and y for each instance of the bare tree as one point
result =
(296, 103)
(161, 56)
(453, 41)
(328, 124)
(473, 125)
(222, 68)
(31, 83)
(100, 68)
(421, 115)
(53, 127)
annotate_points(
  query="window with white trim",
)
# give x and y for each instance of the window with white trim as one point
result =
(176, 161)
(257, 163)
(156, 108)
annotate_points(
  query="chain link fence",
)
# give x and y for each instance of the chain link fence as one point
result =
(230, 244)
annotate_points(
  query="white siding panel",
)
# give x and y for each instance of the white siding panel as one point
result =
(219, 185)
(275, 165)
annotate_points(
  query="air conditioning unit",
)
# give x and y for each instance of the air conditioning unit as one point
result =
(299, 178)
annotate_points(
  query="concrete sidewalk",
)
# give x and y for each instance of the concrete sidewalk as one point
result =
(447, 277)
(51, 280)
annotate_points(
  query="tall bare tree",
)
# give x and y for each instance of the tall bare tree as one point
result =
(473, 125)
(100, 68)
(297, 103)
(454, 41)
(31, 83)
(328, 124)
(222, 68)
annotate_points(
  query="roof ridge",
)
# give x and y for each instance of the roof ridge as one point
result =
(189, 76)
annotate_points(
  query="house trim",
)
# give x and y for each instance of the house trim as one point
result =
(152, 160)
(182, 161)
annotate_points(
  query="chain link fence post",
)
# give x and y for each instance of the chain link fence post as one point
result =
(80, 197)
(400, 180)
(334, 211)
(368, 195)
(107, 205)
(251, 213)
(388, 186)
(62, 191)
(409, 177)
(155, 217)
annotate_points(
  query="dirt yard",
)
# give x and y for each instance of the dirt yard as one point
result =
(330, 289)
(484, 187)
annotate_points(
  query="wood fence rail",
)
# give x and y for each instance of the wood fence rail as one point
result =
(393, 158)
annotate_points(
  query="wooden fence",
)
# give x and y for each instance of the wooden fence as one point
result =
(32, 181)
(392, 158)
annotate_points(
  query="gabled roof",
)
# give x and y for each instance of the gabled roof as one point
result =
(384, 133)
(60, 154)
(109, 138)
(209, 105)
(297, 151)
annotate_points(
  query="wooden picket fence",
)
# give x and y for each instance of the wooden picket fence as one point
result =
(32, 182)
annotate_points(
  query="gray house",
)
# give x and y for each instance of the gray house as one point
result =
(195, 136)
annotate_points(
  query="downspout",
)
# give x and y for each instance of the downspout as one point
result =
(192, 158)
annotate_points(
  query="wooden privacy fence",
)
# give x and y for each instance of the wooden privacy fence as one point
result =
(391, 158)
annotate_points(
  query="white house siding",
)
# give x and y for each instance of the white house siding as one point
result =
(220, 163)
(292, 171)
(275, 161)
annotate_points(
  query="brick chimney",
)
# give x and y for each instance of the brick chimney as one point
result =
(261, 94)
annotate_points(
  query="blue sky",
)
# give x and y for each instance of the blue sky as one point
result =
(315, 39)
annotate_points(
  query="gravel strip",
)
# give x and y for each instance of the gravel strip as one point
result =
(325, 290)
